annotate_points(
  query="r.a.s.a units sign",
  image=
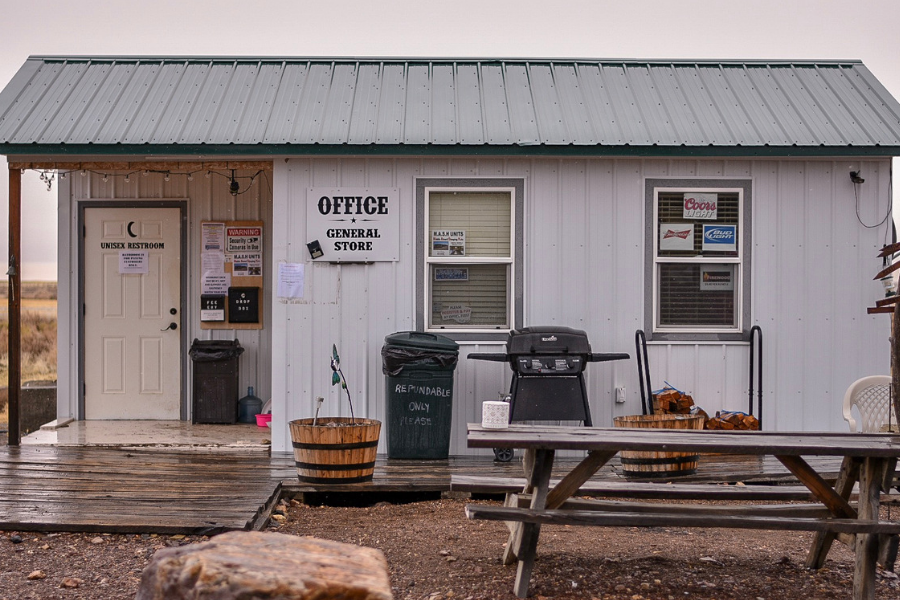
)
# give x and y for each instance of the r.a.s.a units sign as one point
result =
(354, 224)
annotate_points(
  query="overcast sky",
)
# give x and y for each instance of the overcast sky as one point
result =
(665, 29)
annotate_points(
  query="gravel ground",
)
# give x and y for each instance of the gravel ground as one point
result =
(436, 554)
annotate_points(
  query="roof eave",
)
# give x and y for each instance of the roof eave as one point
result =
(203, 151)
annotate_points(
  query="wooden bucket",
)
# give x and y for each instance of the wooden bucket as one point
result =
(645, 464)
(335, 449)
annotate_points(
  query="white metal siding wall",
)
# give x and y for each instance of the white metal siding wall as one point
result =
(208, 199)
(812, 269)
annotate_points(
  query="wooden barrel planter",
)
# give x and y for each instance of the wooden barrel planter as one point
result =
(335, 449)
(653, 464)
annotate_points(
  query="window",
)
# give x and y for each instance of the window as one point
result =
(698, 259)
(469, 244)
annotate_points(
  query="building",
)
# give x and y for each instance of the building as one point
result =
(691, 200)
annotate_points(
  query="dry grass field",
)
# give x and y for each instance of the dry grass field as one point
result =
(38, 336)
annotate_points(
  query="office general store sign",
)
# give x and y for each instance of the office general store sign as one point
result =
(354, 224)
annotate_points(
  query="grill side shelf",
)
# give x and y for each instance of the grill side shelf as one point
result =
(606, 357)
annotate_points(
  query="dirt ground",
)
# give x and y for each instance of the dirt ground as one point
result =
(436, 554)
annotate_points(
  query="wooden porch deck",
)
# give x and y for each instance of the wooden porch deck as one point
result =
(128, 490)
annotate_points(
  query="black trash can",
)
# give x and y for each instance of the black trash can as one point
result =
(215, 380)
(419, 393)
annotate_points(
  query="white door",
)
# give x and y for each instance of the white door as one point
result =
(132, 313)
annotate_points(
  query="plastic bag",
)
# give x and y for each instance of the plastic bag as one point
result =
(215, 350)
(395, 358)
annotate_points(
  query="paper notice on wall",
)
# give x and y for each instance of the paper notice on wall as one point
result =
(246, 264)
(134, 261)
(216, 285)
(213, 236)
(212, 263)
(290, 280)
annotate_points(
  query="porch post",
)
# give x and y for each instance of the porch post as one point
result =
(895, 365)
(15, 288)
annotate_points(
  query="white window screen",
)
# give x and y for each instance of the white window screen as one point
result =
(697, 260)
(469, 259)
(483, 217)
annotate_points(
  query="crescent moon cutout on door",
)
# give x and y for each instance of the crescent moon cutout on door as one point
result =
(130, 232)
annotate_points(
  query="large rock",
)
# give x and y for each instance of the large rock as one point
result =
(250, 564)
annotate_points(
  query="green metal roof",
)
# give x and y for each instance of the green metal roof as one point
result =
(259, 106)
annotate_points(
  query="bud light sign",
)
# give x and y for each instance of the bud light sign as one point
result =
(701, 206)
(720, 238)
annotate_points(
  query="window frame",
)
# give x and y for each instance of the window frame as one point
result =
(741, 262)
(424, 261)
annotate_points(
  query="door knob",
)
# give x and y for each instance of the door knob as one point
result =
(171, 326)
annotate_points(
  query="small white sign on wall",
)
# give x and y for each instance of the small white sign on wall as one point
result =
(291, 279)
(216, 285)
(134, 261)
(354, 224)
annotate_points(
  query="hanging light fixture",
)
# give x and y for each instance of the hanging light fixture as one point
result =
(234, 188)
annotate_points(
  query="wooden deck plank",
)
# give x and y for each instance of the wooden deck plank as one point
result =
(113, 490)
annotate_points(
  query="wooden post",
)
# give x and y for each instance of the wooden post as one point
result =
(870, 476)
(895, 361)
(15, 305)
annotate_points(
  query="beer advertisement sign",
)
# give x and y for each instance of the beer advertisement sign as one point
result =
(716, 278)
(676, 236)
(701, 206)
(720, 238)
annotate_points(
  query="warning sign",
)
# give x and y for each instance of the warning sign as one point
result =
(243, 239)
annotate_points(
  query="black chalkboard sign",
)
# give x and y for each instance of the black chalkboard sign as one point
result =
(243, 305)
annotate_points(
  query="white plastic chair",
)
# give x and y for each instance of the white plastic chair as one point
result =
(872, 398)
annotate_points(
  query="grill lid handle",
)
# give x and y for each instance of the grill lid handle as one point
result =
(492, 356)
(606, 357)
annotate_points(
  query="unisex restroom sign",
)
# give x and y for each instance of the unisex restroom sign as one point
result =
(354, 224)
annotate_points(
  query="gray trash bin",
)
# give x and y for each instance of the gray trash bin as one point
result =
(419, 393)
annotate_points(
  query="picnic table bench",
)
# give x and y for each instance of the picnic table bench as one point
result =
(868, 460)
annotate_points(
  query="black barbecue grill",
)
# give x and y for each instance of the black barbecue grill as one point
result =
(548, 373)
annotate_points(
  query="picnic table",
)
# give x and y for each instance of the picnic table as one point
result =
(868, 459)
